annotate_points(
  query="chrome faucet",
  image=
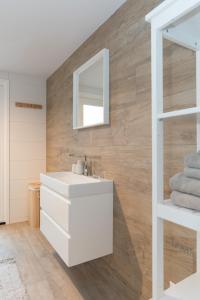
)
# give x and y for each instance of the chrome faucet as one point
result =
(85, 166)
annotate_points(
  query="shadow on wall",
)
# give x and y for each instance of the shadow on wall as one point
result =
(102, 278)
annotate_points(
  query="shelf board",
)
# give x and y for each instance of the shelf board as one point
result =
(182, 216)
(179, 113)
(167, 298)
(185, 31)
(177, 36)
(187, 289)
(179, 20)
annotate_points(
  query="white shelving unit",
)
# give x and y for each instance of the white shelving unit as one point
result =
(178, 21)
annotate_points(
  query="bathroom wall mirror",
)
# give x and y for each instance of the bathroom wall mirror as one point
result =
(91, 92)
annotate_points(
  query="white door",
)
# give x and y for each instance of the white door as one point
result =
(4, 151)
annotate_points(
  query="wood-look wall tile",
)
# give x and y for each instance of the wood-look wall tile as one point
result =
(122, 151)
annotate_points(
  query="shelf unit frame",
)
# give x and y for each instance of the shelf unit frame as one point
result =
(163, 16)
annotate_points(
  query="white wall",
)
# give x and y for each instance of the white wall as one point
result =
(27, 139)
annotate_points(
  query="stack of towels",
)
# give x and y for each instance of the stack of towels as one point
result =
(186, 186)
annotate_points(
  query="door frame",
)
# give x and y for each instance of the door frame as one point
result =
(6, 153)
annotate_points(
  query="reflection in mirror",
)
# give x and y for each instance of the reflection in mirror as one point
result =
(91, 92)
(91, 95)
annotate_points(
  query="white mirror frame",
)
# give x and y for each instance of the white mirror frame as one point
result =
(76, 75)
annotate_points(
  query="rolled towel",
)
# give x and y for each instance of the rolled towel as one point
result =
(193, 160)
(192, 173)
(185, 200)
(181, 183)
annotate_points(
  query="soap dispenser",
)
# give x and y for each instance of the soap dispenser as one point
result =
(80, 167)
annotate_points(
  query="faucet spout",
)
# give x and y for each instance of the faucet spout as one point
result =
(86, 166)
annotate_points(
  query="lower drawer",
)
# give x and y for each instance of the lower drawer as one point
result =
(55, 235)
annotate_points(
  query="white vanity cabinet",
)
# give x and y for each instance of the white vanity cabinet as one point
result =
(76, 216)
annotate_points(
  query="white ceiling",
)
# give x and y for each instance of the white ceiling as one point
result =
(36, 36)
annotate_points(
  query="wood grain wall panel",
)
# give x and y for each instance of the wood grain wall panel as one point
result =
(122, 151)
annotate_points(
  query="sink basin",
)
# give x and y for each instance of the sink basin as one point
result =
(72, 185)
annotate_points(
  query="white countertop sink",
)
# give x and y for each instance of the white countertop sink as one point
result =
(72, 185)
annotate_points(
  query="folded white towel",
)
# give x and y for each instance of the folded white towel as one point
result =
(192, 173)
(185, 200)
(193, 160)
(183, 184)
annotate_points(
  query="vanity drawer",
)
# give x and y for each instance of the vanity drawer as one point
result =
(55, 235)
(55, 206)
